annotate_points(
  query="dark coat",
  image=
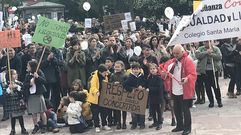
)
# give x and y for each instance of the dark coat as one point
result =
(150, 59)
(40, 81)
(51, 68)
(76, 66)
(156, 89)
(133, 82)
(15, 63)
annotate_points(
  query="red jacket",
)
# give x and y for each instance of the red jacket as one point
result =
(188, 70)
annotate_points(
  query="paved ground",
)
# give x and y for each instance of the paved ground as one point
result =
(206, 121)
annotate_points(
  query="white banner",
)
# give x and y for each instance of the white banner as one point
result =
(88, 23)
(215, 19)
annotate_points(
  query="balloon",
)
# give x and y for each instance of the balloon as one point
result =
(84, 45)
(33, 18)
(169, 12)
(15, 18)
(137, 50)
(14, 8)
(86, 6)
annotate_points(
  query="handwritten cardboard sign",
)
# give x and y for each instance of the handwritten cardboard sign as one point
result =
(10, 38)
(115, 97)
(50, 32)
(113, 22)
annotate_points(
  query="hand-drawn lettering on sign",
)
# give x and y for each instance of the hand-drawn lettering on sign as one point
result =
(10, 38)
(115, 97)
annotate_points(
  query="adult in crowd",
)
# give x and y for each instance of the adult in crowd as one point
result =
(92, 57)
(237, 60)
(182, 87)
(50, 65)
(209, 63)
(29, 55)
(228, 50)
(76, 62)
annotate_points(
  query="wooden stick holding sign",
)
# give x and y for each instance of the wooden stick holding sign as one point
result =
(214, 76)
(9, 68)
(41, 58)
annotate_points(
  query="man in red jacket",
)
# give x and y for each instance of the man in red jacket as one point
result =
(181, 76)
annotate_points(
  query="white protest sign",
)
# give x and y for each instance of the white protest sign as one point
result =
(27, 39)
(133, 26)
(124, 24)
(215, 19)
(133, 37)
(88, 23)
(128, 16)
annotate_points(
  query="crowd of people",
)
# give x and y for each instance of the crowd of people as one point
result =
(67, 86)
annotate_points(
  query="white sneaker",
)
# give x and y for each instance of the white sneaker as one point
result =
(97, 129)
(106, 128)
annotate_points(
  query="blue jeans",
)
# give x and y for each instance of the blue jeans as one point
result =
(52, 120)
(137, 119)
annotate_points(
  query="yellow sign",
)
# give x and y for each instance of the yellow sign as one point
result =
(196, 3)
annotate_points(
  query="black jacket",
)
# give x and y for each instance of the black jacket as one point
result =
(156, 89)
(40, 81)
(134, 82)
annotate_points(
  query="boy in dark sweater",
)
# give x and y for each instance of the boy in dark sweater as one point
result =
(135, 81)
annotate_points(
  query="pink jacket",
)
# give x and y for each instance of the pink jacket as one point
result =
(188, 70)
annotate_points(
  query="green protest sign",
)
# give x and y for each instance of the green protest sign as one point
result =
(50, 32)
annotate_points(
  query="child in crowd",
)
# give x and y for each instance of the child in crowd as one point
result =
(86, 111)
(15, 105)
(134, 82)
(168, 102)
(156, 88)
(109, 62)
(99, 76)
(74, 111)
(61, 111)
(51, 117)
(118, 77)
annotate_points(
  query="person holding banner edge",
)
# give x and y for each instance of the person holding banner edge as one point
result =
(205, 55)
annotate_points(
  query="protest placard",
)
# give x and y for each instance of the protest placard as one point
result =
(10, 38)
(214, 19)
(113, 22)
(115, 97)
(50, 32)
(124, 24)
(128, 16)
(133, 26)
(88, 23)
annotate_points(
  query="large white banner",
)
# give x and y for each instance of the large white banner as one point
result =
(215, 19)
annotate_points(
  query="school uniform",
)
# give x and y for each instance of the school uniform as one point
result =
(156, 89)
(34, 93)
(130, 84)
